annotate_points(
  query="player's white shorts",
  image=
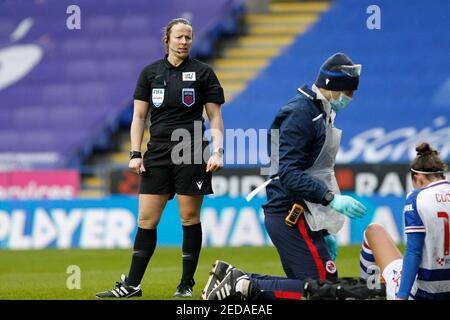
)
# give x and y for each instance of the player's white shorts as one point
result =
(392, 275)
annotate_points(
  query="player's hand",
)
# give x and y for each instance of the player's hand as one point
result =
(332, 246)
(352, 208)
(137, 165)
(215, 163)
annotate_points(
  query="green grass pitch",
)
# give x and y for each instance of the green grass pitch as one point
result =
(42, 274)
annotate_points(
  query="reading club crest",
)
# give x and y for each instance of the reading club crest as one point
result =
(330, 266)
(188, 96)
(157, 97)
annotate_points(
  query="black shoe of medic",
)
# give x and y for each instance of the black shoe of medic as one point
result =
(122, 290)
(342, 289)
(217, 274)
(226, 290)
(184, 289)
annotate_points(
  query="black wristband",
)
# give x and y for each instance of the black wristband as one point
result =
(135, 154)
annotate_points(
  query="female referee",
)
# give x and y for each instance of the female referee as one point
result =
(177, 161)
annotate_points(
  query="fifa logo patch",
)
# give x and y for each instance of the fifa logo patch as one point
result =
(157, 97)
(188, 96)
(330, 266)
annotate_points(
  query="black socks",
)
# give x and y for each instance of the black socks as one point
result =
(144, 246)
(192, 244)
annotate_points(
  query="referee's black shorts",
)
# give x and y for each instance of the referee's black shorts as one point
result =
(162, 176)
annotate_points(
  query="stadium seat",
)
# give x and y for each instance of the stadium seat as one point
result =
(135, 24)
(30, 117)
(54, 93)
(101, 25)
(109, 46)
(9, 140)
(90, 92)
(144, 46)
(86, 69)
(117, 68)
(6, 28)
(76, 47)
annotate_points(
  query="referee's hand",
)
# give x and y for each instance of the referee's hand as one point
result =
(137, 165)
(215, 163)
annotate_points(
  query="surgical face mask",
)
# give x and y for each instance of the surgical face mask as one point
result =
(341, 103)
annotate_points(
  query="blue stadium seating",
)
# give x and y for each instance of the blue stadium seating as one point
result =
(405, 67)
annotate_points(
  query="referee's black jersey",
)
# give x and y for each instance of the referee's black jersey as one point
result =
(176, 95)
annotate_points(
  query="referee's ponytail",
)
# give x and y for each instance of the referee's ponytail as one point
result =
(428, 162)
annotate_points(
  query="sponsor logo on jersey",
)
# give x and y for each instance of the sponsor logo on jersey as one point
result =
(330, 266)
(157, 97)
(188, 76)
(188, 96)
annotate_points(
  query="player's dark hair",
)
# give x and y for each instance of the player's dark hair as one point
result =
(428, 161)
(168, 28)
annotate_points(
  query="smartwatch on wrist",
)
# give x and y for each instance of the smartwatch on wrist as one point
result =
(218, 151)
(329, 196)
(135, 154)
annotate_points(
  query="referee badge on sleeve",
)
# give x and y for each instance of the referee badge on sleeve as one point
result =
(188, 96)
(157, 97)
